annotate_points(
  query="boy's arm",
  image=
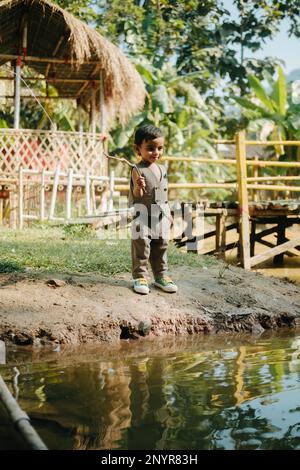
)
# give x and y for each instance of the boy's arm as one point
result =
(139, 184)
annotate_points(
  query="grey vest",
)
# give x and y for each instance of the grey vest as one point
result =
(156, 192)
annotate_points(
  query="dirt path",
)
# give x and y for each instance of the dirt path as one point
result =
(93, 308)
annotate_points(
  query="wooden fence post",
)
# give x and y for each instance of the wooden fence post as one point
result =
(54, 192)
(21, 197)
(42, 196)
(88, 193)
(243, 199)
(111, 190)
(69, 194)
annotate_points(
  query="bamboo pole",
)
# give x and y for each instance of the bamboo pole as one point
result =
(102, 123)
(1, 211)
(21, 198)
(112, 188)
(51, 60)
(272, 142)
(243, 199)
(102, 103)
(93, 113)
(93, 197)
(88, 193)
(125, 187)
(42, 196)
(56, 80)
(20, 419)
(220, 161)
(17, 93)
(273, 178)
(40, 97)
(257, 163)
(69, 195)
(273, 187)
(13, 202)
(54, 192)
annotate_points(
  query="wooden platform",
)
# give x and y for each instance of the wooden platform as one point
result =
(276, 216)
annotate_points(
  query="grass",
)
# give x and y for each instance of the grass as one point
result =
(75, 249)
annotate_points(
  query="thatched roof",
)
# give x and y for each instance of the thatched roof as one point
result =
(54, 33)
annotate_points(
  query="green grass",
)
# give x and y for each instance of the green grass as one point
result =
(74, 249)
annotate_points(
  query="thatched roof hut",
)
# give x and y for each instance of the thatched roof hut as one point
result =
(70, 55)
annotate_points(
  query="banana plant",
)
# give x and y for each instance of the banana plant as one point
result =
(274, 107)
(174, 104)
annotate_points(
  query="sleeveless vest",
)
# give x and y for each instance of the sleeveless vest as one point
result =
(156, 191)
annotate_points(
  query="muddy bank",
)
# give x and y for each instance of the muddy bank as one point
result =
(95, 309)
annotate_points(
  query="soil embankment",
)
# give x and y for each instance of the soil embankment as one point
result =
(91, 308)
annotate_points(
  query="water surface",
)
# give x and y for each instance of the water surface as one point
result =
(230, 392)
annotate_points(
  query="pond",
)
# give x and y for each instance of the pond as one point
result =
(208, 392)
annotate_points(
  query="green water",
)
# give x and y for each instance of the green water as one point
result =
(199, 393)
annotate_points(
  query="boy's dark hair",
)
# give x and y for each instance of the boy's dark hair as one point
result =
(146, 132)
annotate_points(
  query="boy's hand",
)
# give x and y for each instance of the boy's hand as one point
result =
(140, 182)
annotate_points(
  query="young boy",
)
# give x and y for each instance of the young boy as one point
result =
(149, 196)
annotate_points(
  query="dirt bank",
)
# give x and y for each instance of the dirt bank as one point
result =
(93, 308)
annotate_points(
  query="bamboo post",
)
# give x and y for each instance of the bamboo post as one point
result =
(218, 226)
(69, 195)
(1, 211)
(278, 259)
(42, 196)
(80, 129)
(17, 93)
(255, 175)
(54, 192)
(102, 118)
(19, 418)
(111, 191)
(93, 113)
(21, 198)
(252, 238)
(243, 199)
(88, 193)
(223, 234)
(102, 103)
(12, 208)
(93, 196)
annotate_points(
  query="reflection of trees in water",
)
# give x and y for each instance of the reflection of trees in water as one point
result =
(187, 400)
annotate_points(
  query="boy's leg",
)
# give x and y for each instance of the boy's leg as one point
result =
(140, 253)
(158, 257)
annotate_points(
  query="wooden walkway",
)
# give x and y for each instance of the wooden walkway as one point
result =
(265, 219)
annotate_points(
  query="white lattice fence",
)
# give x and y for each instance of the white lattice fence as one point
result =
(38, 150)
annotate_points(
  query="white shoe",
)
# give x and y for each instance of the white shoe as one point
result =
(140, 286)
(166, 284)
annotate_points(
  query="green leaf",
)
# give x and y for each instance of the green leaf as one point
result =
(260, 92)
(249, 105)
(279, 93)
(145, 73)
(3, 124)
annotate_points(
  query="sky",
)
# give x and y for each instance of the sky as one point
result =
(281, 46)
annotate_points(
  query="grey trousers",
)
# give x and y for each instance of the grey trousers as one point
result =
(144, 250)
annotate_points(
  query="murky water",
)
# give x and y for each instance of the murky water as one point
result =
(199, 393)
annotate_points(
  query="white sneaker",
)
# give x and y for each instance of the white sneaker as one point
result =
(140, 286)
(166, 284)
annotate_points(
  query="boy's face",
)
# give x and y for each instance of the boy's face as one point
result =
(151, 150)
